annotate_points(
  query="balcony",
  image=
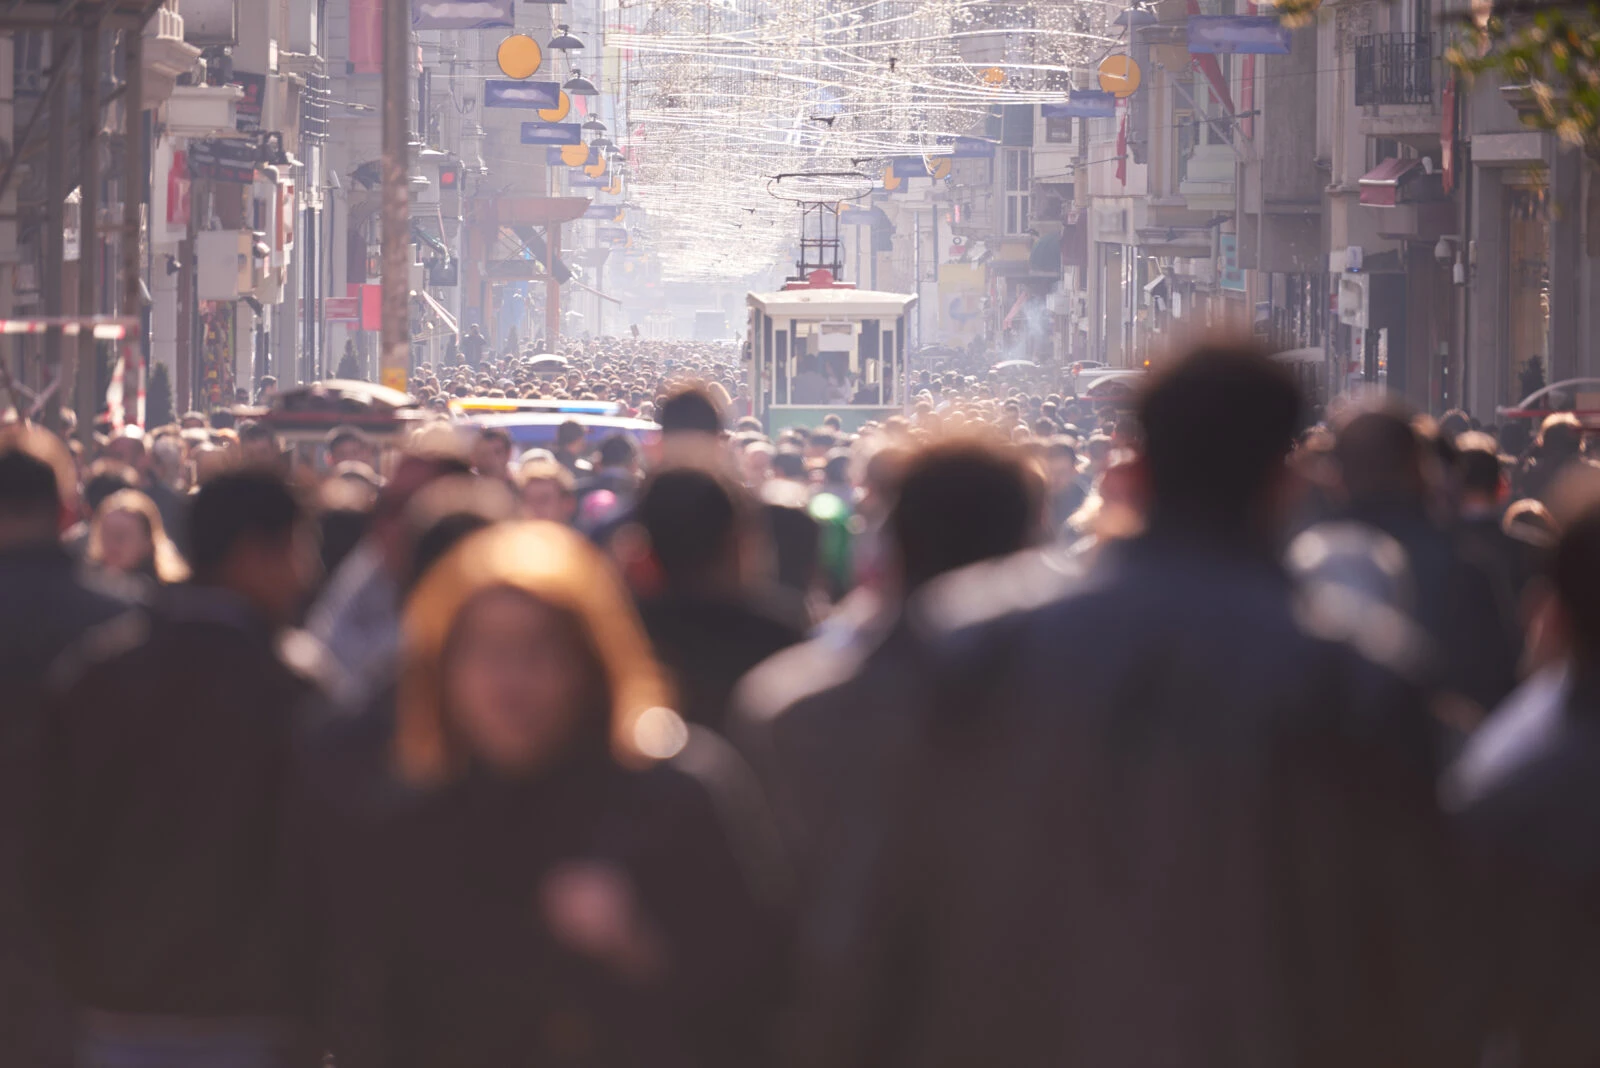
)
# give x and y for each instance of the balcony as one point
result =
(1394, 68)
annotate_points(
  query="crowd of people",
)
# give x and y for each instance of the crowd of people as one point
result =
(1015, 729)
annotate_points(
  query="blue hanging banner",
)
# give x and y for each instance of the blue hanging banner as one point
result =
(552, 133)
(611, 235)
(909, 167)
(604, 212)
(505, 93)
(578, 179)
(461, 15)
(973, 148)
(1082, 104)
(1260, 35)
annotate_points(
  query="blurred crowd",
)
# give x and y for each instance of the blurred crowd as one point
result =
(1196, 728)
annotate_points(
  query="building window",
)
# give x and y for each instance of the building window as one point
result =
(1058, 131)
(1019, 182)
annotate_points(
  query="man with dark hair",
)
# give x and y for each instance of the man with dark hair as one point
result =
(569, 448)
(169, 748)
(259, 446)
(1380, 458)
(826, 723)
(45, 606)
(708, 621)
(1481, 482)
(491, 454)
(348, 444)
(1532, 804)
(1157, 817)
(690, 411)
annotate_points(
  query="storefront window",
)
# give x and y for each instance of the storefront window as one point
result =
(1528, 299)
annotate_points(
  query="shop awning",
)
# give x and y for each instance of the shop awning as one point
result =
(1382, 186)
(437, 311)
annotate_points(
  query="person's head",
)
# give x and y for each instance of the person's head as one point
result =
(959, 502)
(1560, 436)
(127, 537)
(166, 460)
(128, 447)
(790, 463)
(248, 533)
(491, 453)
(444, 513)
(690, 411)
(1478, 471)
(696, 522)
(105, 478)
(1061, 463)
(569, 437)
(522, 652)
(1380, 458)
(258, 445)
(38, 487)
(1218, 425)
(348, 443)
(618, 452)
(833, 424)
(548, 491)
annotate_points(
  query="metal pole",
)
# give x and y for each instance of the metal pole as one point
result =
(55, 230)
(133, 197)
(552, 288)
(395, 343)
(87, 376)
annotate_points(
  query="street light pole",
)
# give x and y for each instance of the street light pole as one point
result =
(394, 340)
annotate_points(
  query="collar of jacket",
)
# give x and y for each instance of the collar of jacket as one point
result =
(1175, 540)
(192, 603)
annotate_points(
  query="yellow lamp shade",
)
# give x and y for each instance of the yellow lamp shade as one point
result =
(597, 168)
(1119, 75)
(519, 56)
(575, 155)
(559, 112)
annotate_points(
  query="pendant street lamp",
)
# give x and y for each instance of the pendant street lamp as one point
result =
(563, 41)
(578, 85)
(594, 126)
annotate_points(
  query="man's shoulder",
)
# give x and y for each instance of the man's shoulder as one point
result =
(995, 593)
(807, 672)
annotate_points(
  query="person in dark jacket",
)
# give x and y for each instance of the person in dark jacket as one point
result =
(1537, 812)
(1159, 816)
(169, 745)
(1455, 600)
(825, 724)
(708, 624)
(568, 874)
(45, 607)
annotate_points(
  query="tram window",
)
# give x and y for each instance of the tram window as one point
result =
(889, 364)
(780, 368)
(870, 389)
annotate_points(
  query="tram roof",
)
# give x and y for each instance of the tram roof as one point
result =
(833, 302)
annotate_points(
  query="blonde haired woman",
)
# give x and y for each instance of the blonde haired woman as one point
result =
(127, 537)
(564, 873)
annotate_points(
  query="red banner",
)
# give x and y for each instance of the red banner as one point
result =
(372, 307)
(366, 36)
(178, 190)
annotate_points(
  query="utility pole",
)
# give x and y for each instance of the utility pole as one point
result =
(88, 370)
(133, 197)
(395, 341)
(52, 276)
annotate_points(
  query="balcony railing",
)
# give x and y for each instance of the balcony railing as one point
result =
(1394, 68)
